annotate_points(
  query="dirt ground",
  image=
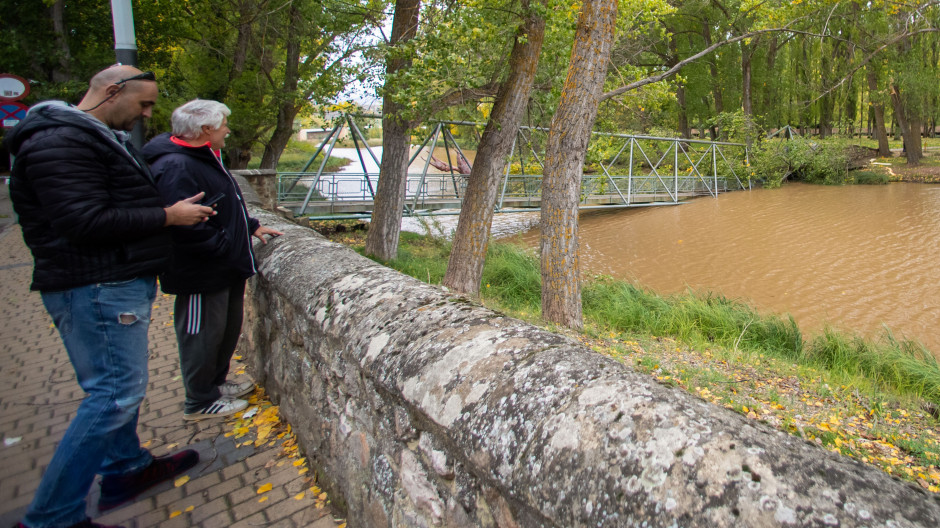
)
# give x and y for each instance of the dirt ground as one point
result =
(928, 171)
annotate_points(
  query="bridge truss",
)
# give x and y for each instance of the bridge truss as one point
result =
(628, 171)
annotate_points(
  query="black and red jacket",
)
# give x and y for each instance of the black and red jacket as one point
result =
(212, 255)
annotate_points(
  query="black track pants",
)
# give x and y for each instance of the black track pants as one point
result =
(207, 329)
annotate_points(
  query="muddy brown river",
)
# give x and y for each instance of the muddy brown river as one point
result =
(855, 257)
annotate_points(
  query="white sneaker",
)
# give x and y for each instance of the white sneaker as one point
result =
(218, 409)
(233, 389)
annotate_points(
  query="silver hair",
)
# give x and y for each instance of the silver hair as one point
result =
(188, 120)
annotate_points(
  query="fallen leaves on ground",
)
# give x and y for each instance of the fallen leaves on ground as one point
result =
(261, 426)
(900, 441)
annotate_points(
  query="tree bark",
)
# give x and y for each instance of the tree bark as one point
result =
(715, 76)
(827, 101)
(564, 160)
(878, 109)
(287, 106)
(683, 117)
(910, 128)
(62, 72)
(385, 228)
(746, 69)
(468, 254)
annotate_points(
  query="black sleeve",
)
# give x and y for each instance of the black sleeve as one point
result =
(175, 180)
(70, 173)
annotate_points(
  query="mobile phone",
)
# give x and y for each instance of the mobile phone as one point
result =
(214, 201)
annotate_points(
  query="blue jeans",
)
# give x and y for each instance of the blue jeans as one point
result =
(104, 329)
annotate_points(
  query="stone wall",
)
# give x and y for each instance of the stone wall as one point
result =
(421, 408)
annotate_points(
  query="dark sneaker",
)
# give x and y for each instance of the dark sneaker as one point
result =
(218, 409)
(116, 490)
(84, 524)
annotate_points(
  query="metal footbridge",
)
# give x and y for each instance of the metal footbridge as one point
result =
(629, 171)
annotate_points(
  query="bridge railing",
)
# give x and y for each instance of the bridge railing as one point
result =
(632, 170)
(520, 190)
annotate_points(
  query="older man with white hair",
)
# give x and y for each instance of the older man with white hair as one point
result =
(211, 261)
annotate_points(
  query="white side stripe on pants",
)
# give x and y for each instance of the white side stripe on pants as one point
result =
(194, 313)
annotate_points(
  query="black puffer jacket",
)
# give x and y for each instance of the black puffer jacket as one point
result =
(89, 209)
(213, 255)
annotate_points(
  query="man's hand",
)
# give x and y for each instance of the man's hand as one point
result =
(261, 231)
(187, 212)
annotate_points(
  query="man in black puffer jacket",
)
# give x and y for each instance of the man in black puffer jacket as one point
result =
(95, 223)
(211, 261)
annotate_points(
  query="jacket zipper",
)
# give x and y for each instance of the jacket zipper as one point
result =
(238, 196)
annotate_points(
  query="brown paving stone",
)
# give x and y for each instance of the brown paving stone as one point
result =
(219, 520)
(224, 488)
(254, 521)
(41, 396)
(128, 512)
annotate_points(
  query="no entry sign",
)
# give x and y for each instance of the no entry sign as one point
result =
(12, 113)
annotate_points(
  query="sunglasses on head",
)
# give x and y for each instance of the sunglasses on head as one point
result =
(144, 76)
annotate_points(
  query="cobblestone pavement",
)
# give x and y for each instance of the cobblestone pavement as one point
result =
(39, 396)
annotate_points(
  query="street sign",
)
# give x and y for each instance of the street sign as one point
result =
(12, 87)
(12, 113)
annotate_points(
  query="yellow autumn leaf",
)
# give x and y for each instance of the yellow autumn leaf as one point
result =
(180, 481)
(265, 488)
(300, 461)
(189, 508)
(302, 471)
(262, 499)
(322, 496)
(176, 514)
(171, 446)
(342, 526)
(300, 495)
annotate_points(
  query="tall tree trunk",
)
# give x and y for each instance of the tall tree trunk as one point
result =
(746, 104)
(683, 112)
(564, 160)
(827, 100)
(382, 240)
(770, 106)
(878, 109)
(910, 128)
(716, 78)
(287, 106)
(62, 72)
(238, 155)
(468, 254)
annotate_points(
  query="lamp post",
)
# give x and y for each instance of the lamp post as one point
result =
(125, 43)
(125, 49)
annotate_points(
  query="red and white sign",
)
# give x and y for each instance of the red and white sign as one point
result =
(12, 87)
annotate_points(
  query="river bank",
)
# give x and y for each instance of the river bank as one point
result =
(818, 391)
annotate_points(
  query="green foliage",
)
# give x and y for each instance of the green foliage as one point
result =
(512, 279)
(800, 159)
(736, 126)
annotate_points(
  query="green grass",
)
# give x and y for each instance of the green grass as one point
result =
(297, 154)
(864, 177)
(511, 280)
(867, 399)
